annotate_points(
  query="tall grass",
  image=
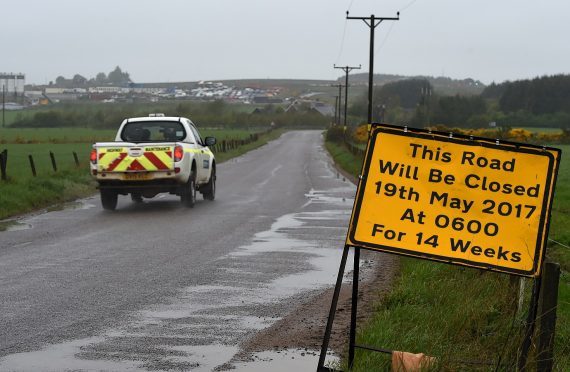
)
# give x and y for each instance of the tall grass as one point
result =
(461, 314)
(466, 318)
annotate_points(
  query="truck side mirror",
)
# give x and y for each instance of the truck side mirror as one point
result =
(210, 141)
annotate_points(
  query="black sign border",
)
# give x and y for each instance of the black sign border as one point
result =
(469, 141)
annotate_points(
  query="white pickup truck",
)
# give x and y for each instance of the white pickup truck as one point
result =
(153, 155)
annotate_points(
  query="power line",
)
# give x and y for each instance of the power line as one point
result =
(342, 41)
(344, 34)
(392, 26)
(385, 38)
(408, 5)
(350, 5)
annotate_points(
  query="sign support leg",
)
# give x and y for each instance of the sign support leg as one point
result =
(326, 339)
(530, 322)
(547, 316)
(354, 307)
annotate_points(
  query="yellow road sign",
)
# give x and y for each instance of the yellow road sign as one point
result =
(461, 200)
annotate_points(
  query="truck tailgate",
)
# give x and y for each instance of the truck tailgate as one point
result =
(129, 157)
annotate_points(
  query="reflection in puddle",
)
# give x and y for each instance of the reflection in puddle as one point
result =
(283, 361)
(61, 357)
(13, 225)
(29, 222)
(202, 326)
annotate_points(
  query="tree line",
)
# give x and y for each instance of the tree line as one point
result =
(117, 77)
(539, 102)
(208, 114)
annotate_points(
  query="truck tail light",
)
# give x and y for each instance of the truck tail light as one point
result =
(93, 156)
(178, 153)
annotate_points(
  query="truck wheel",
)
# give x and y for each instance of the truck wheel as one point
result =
(109, 200)
(209, 192)
(136, 198)
(188, 195)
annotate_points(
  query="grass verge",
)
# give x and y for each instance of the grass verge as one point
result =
(23, 193)
(459, 314)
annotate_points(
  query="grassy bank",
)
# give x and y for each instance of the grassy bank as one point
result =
(459, 314)
(23, 193)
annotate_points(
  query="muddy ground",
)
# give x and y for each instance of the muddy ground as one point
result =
(304, 327)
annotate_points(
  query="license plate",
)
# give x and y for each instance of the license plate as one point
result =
(137, 176)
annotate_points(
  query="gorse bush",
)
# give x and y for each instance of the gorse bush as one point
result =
(360, 134)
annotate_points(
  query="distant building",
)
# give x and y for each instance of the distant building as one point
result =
(311, 106)
(324, 109)
(12, 83)
(266, 100)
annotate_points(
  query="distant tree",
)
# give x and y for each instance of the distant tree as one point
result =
(60, 81)
(118, 77)
(547, 94)
(405, 93)
(457, 110)
(101, 78)
(494, 91)
(79, 80)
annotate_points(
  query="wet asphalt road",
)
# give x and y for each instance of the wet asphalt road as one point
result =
(157, 286)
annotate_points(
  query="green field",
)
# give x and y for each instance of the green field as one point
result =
(88, 135)
(22, 192)
(459, 314)
(18, 166)
(54, 135)
(12, 116)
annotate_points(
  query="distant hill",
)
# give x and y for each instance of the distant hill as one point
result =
(295, 87)
(443, 85)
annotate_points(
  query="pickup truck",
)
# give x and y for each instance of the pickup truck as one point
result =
(152, 155)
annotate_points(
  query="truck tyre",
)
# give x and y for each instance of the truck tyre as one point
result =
(188, 195)
(209, 192)
(136, 197)
(109, 199)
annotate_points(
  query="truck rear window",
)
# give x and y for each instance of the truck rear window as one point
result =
(153, 131)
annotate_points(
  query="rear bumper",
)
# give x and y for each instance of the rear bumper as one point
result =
(157, 186)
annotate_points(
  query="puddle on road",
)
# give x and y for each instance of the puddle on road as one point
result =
(29, 222)
(81, 204)
(283, 361)
(61, 357)
(201, 327)
(13, 225)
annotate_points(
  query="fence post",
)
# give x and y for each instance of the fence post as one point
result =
(53, 164)
(32, 165)
(3, 164)
(547, 316)
(224, 146)
(76, 159)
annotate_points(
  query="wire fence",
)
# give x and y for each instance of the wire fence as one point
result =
(49, 160)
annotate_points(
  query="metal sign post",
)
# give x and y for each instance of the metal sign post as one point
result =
(456, 199)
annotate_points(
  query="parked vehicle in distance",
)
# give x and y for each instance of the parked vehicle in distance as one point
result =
(152, 155)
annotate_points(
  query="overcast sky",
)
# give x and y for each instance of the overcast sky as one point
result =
(188, 40)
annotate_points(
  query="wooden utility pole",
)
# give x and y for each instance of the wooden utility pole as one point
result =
(337, 118)
(346, 69)
(3, 106)
(372, 22)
